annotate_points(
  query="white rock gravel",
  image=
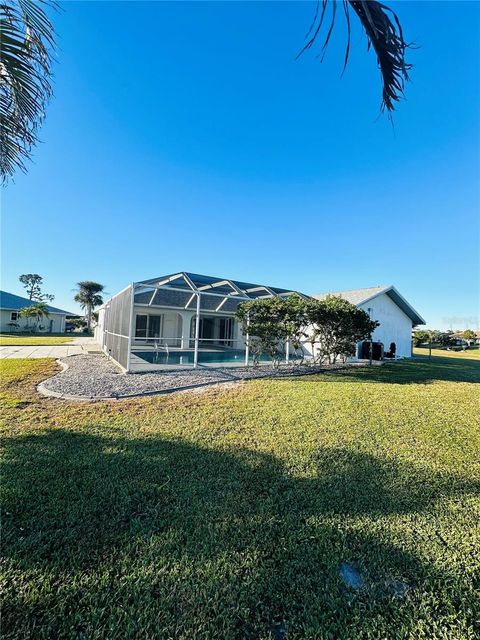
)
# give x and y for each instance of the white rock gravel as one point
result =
(95, 377)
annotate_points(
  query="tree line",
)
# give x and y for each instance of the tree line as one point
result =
(443, 338)
(280, 327)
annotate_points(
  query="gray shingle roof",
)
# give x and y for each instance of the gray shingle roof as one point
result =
(355, 296)
(15, 303)
(360, 296)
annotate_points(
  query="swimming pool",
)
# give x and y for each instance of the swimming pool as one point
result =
(231, 356)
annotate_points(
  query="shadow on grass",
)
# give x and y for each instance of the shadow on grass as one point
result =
(109, 537)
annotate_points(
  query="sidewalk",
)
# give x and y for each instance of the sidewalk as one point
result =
(76, 347)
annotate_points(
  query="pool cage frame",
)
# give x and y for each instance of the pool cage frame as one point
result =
(117, 325)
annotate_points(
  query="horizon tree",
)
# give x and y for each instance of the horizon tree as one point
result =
(88, 297)
(468, 335)
(422, 336)
(33, 284)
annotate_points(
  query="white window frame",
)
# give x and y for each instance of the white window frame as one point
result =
(12, 314)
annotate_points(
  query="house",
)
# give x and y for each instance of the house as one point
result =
(179, 319)
(396, 316)
(10, 321)
(460, 340)
(187, 319)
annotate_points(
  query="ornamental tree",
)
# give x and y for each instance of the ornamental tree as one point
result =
(336, 326)
(332, 326)
(263, 322)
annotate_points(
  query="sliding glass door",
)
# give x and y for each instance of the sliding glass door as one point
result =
(155, 326)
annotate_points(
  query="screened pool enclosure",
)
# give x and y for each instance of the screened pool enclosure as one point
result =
(182, 320)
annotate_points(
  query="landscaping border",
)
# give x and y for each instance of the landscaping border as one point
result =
(44, 389)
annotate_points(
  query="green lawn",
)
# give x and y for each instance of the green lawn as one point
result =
(228, 514)
(469, 354)
(12, 339)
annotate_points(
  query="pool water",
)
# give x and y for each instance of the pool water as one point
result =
(236, 356)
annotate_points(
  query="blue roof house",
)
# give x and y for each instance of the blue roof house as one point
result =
(11, 304)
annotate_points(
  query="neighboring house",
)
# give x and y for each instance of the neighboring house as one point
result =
(189, 319)
(396, 316)
(10, 306)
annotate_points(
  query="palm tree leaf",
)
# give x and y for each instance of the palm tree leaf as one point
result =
(386, 38)
(384, 34)
(347, 48)
(317, 30)
(26, 49)
(329, 32)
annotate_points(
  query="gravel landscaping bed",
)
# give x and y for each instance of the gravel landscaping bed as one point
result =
(95, 377)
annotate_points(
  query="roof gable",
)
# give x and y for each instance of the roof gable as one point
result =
(15, 303)
(355, 296)
(360, 296)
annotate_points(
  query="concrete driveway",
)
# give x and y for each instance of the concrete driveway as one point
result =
(76, 347)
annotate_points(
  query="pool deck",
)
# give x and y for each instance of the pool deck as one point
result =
(139, 365)
(76, 347)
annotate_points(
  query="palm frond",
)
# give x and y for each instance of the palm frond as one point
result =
(384, 34)
(386, 38)
(26, 50)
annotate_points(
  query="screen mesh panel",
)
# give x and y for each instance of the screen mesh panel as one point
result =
(210, 303)
(117, 327)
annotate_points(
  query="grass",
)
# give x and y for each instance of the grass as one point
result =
(469, 354)
(228, 514)
(18, 340)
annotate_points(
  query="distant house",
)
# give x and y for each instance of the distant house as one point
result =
(10, 306)
(396, 316)
(460, 340)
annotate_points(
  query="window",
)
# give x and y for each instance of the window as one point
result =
(141, 326)
(14, 316)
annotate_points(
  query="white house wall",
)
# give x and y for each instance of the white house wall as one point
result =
(99, 328)
(54, 323)
(395, 325)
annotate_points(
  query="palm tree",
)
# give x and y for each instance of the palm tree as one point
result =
(88, 297)
(26, 49)
(37, 311)
(27, 42)
(384, 34)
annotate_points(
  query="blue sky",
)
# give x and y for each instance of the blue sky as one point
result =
(185, 136)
